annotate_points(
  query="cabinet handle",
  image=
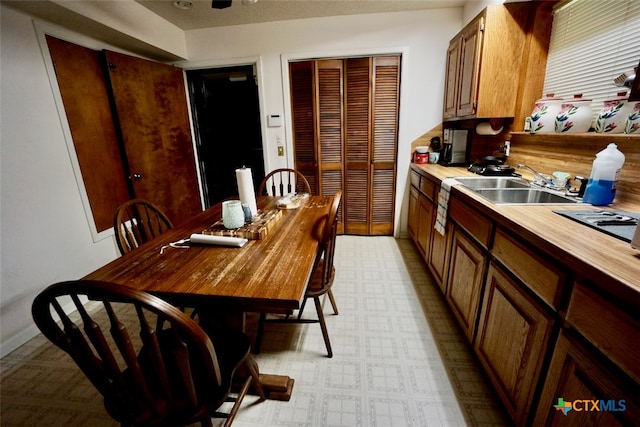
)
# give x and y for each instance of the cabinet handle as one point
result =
(137, 177)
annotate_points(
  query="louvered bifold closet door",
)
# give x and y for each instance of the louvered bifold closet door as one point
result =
(386, 94)
(331, 124)
(304, 121)
(354, 115)
(357, 192)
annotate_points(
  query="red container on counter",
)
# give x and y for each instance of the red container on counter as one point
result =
(420, 157)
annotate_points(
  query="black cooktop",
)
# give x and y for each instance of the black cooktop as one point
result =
(616, 223)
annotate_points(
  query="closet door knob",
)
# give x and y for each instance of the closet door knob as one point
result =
(137, 177)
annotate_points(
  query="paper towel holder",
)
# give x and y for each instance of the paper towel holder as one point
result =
(488, 128)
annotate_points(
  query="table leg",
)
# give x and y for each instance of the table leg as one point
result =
(268, 386)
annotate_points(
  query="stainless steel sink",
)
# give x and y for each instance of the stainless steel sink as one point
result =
(523, 196)
(493, 182)
(503, 190)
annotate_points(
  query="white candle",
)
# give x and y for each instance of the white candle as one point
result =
(245, 189)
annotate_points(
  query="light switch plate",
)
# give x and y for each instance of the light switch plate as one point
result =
(274, 120)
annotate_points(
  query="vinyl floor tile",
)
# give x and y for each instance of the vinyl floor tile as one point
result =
(399, 360)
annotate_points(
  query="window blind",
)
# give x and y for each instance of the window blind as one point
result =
(592, 43)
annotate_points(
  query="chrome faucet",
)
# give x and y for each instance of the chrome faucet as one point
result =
(539, 178)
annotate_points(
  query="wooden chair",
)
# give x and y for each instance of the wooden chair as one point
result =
(281, 182)
(319, 284)
(173, 374)
(137, 221)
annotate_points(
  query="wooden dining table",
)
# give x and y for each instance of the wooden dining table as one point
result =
(224, 283)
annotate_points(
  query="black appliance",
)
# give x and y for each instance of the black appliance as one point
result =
(616, 223)
(454, 147)
(491, 166)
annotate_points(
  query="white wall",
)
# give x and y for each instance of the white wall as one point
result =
(45, 236)
(43, 229)
(421, 36)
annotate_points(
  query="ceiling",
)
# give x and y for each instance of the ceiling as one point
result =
(201, 15)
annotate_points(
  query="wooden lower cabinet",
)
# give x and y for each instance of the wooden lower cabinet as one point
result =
(577, 377)
(513, 335)
(412, 220)
(420, 222)
(438, 258)
(465, 281)
(425, 223)
(513, 299)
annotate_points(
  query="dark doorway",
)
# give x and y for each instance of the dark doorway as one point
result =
(226, 115)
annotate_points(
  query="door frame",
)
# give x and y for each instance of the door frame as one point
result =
(256, 62)
(402, 164)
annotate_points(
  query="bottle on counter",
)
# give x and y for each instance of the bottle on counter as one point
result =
(601, 188)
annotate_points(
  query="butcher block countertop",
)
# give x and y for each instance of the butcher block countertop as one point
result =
(604, 261)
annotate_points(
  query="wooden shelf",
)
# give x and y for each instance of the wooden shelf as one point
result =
(577, 137)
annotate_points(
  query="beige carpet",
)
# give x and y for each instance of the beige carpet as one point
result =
(399, 359)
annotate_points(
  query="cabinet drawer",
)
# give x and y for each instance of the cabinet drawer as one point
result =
(614, 332)
(542, 277)
(428, 188)
(474, 223)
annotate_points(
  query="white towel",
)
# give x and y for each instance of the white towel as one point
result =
(443, 204)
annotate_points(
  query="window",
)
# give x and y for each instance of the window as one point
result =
(592, 43)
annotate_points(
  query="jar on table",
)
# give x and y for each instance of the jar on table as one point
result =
(543, 117)
(575, 115)
(614, 114)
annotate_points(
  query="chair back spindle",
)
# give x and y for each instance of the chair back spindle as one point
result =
(136, 222)
(281, 182)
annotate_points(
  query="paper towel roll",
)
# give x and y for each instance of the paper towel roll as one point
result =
(485, 128)
(245, 189)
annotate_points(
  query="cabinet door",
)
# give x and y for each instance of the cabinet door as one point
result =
(412, 221)
(465, 281)
(577, 378)
(451, 80)
(151, 105)
(439, 255)
(425, 223)
(470, 50)
(512, 340)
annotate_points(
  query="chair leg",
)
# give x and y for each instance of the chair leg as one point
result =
(259, 332)
(323, 325)
(238, 402)
(304, 303)
(333, 302)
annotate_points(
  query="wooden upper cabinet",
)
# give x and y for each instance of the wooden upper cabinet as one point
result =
(470, 51)
(485, 61)
(451, 82)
